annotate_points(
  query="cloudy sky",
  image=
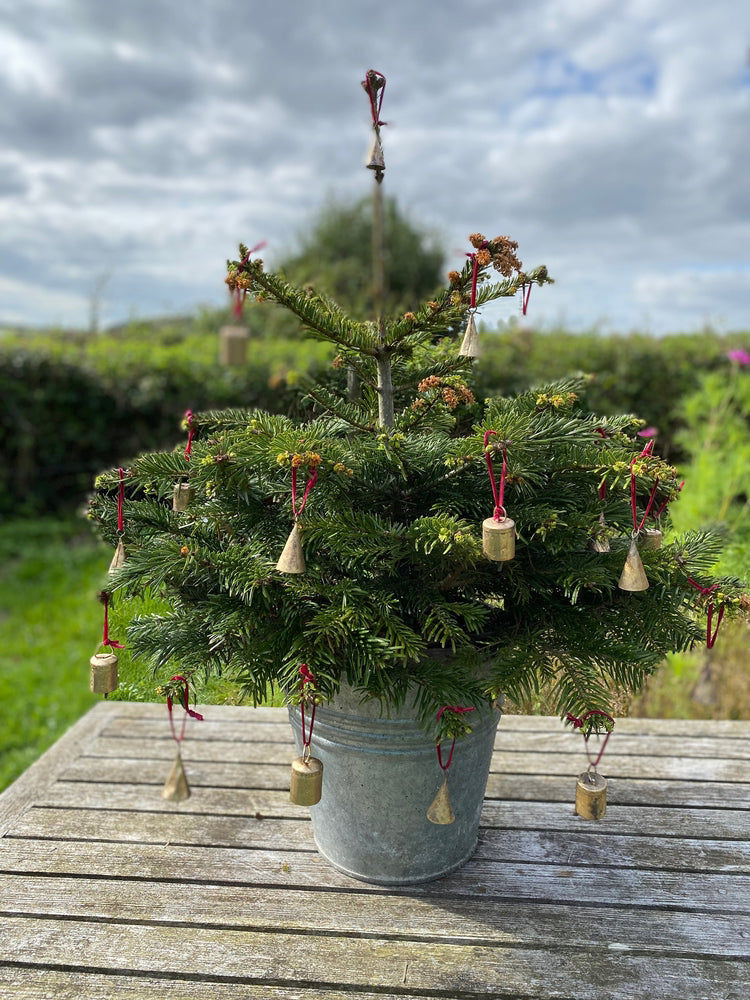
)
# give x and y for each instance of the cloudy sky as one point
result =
(140, 141)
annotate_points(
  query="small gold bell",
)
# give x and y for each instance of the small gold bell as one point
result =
(470, 344)
(377, 160)
(499, 539)
(176, 787)
(183, 494)
(292, 559)
(103, 678)
(633, 576)
(591, 795)
(440, 811)
(306, 784)
(118, 559)
(651, 538)
(233, 345)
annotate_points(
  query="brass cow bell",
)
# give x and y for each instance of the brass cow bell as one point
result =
(118, 559)
(651, 538)
(176, 787)
(292, 559)
(183, 494)
(499, 539)
(103, 678)
(440, 811)
(633, 576)
(306, 785)
(377, 160)
(591, 795)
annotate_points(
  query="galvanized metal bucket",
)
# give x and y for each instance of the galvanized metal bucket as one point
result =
(380, 776)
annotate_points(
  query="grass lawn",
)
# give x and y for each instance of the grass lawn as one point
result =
(51, 571)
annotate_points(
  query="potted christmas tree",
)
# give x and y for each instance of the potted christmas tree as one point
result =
(404, 555)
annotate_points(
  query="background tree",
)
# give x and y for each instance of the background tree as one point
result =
(335, 255)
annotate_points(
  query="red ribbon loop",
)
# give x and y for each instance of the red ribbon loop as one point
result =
(497, 493)
(525, 296)
(312, 480)
(185, 705)
(636, 526)
(307, 678)
(375, 94)
(191, 433)
(474, 273)
(106, 641)
(706, 591)
(459, 710)
(578, 724)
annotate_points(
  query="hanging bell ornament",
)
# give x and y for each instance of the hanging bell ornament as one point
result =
(176, 787)
(306, 784)
(499, 539)
(591, 795)
(233, 345)
(599, 541)
(183, 494)
(292, 559)
(651, 538)
(377, 160)
(440, 811)
(103, 678)
(633, 576)
(118, 559)
(470, 344)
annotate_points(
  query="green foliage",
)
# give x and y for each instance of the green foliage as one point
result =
(396, 578)
(72, 404)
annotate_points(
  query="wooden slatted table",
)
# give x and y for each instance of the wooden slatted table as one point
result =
(106, 890)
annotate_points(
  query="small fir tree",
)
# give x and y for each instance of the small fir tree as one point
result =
(398, 595)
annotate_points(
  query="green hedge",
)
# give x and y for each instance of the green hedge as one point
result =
(74, 404)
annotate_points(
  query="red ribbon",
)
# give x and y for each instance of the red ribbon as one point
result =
(474, 273)
(239, 294)
(376, 96)
(636, 526)
(459, 710)
(307, 678)
(525, 296)
(185, 705)
(191, 433)
(497, 493)
(706, 591)
(120, 500)
(106, 641)
(578, 724)
(313, 478)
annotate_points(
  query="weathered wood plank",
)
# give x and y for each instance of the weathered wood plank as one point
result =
(285, 959)
(15, 798)
(20, 983)
(486, 877)
(227, 772)
(592, 837)
(157, 820)
(464, 921)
